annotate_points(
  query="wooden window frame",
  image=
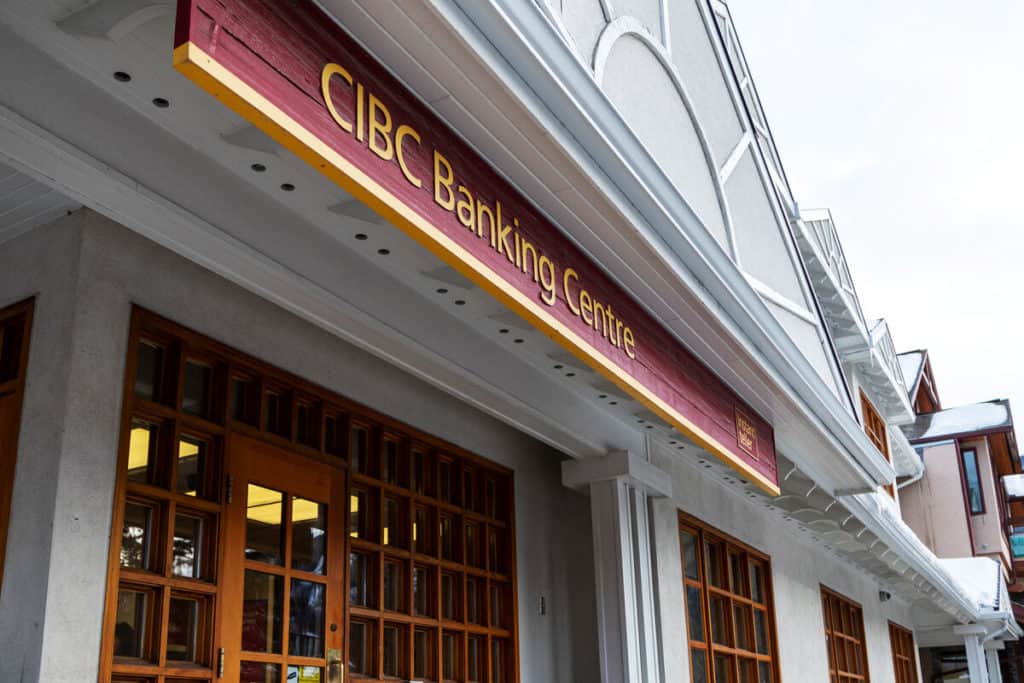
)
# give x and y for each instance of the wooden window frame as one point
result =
(877, 431)
(12, 392)
(325, 410)
(967, 481)
(857, 639)
(749, 558)
(904, 654)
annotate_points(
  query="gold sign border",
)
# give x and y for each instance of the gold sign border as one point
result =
(206, 72)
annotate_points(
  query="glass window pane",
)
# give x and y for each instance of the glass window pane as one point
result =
(449, 656)
(306, 619)
(419, 468)
(305, 674)
(695, 613)
(747, 671)
(738, 576)
(723, 669)
(135, 536)
(970, 458)
(421, 532)
(698, 659)
(713, 560)
(496, 551)
(191, 466)
(719, 628)
(757, 582)
(423, 645)
(182, 626)
(498, 611)
(196, 394)
(446, 481)
(309, 535)
(149, 366)
(358, 513)
(690, 559)
(393, 525)
(393, 586)
(764, 672)
(131, 631)
(358, 588)
(761, 631)
(258, 672)
(264, 529)
(142, 451)
(389, 462)
(473, 544)
(498, 664)
(449, 591)
(422, 593)
(475, 610)
(393, 650)
(741, 627)
(188, 543)
(245, 396)
(360, 655)
(447, 538)
(476, 656)
(261, 612)
(357, 450)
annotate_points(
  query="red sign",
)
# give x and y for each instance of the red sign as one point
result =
(288, 68)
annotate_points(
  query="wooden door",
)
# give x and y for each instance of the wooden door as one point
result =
(281, 614)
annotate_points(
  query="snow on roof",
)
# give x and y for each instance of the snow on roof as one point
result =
(980, 577)
(1014, 484)
(911, 364)
(969, 419)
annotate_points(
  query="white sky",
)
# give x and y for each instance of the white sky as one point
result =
(905, 118)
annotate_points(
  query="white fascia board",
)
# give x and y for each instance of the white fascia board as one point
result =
(544, 74)
(905, 543)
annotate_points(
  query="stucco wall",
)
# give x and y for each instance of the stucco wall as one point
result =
(87, 272)
(934, 506)
(799, 569)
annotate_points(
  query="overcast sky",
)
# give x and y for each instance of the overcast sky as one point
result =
(905, 119)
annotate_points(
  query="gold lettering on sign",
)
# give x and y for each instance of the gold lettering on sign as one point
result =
(374, 125)
(746, 434)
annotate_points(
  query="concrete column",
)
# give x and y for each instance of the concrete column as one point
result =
(973, 635)
(620, 486)
(992, 648)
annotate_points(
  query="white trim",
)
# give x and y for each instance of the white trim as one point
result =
(735, 156)
(631, 26)
(780, 300)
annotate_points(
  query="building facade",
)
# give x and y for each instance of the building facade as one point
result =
(442, 340)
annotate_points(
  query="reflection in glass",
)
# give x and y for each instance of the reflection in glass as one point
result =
(389, 462)
(306, 619)
(309, 536)
(264, 532)
(764, 672)
(191, 458)
(761, 631)
(694, 614)
(448, 591)
(130, 632)
(359, 655)
(258, 672)
(757, 582)
(261, 612)
(142, 444)
(196, 394)
(182, 624)
(421, 655)
(497, 661)
(497, 613)
(718, 629)
(472, 545)
(421, 532)
(420, 592)
(474, 591)
(723, 667)
(741, 626)
(305, 674)
(135, 535)
(447, 538)
(700, 666)
(357, 579)
(392, 586)
(713, 558)
(475, 656)
(357, 449)
(357, 512)
(690, 556)
(188, 539)
(149, 363)
(392, 649)
(495, 557)
(448, 656)
(392, 525)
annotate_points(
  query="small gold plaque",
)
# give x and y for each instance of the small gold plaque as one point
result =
(746, 434)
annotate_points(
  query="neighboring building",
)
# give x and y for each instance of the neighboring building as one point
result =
(438, 340)
(959, 505)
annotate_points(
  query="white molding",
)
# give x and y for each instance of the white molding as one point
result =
(782, 301)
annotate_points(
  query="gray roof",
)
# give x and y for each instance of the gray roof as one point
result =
(970, 419)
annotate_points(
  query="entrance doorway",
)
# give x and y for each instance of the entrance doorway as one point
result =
(282, 616)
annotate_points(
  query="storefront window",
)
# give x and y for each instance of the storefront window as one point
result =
(729, 613)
